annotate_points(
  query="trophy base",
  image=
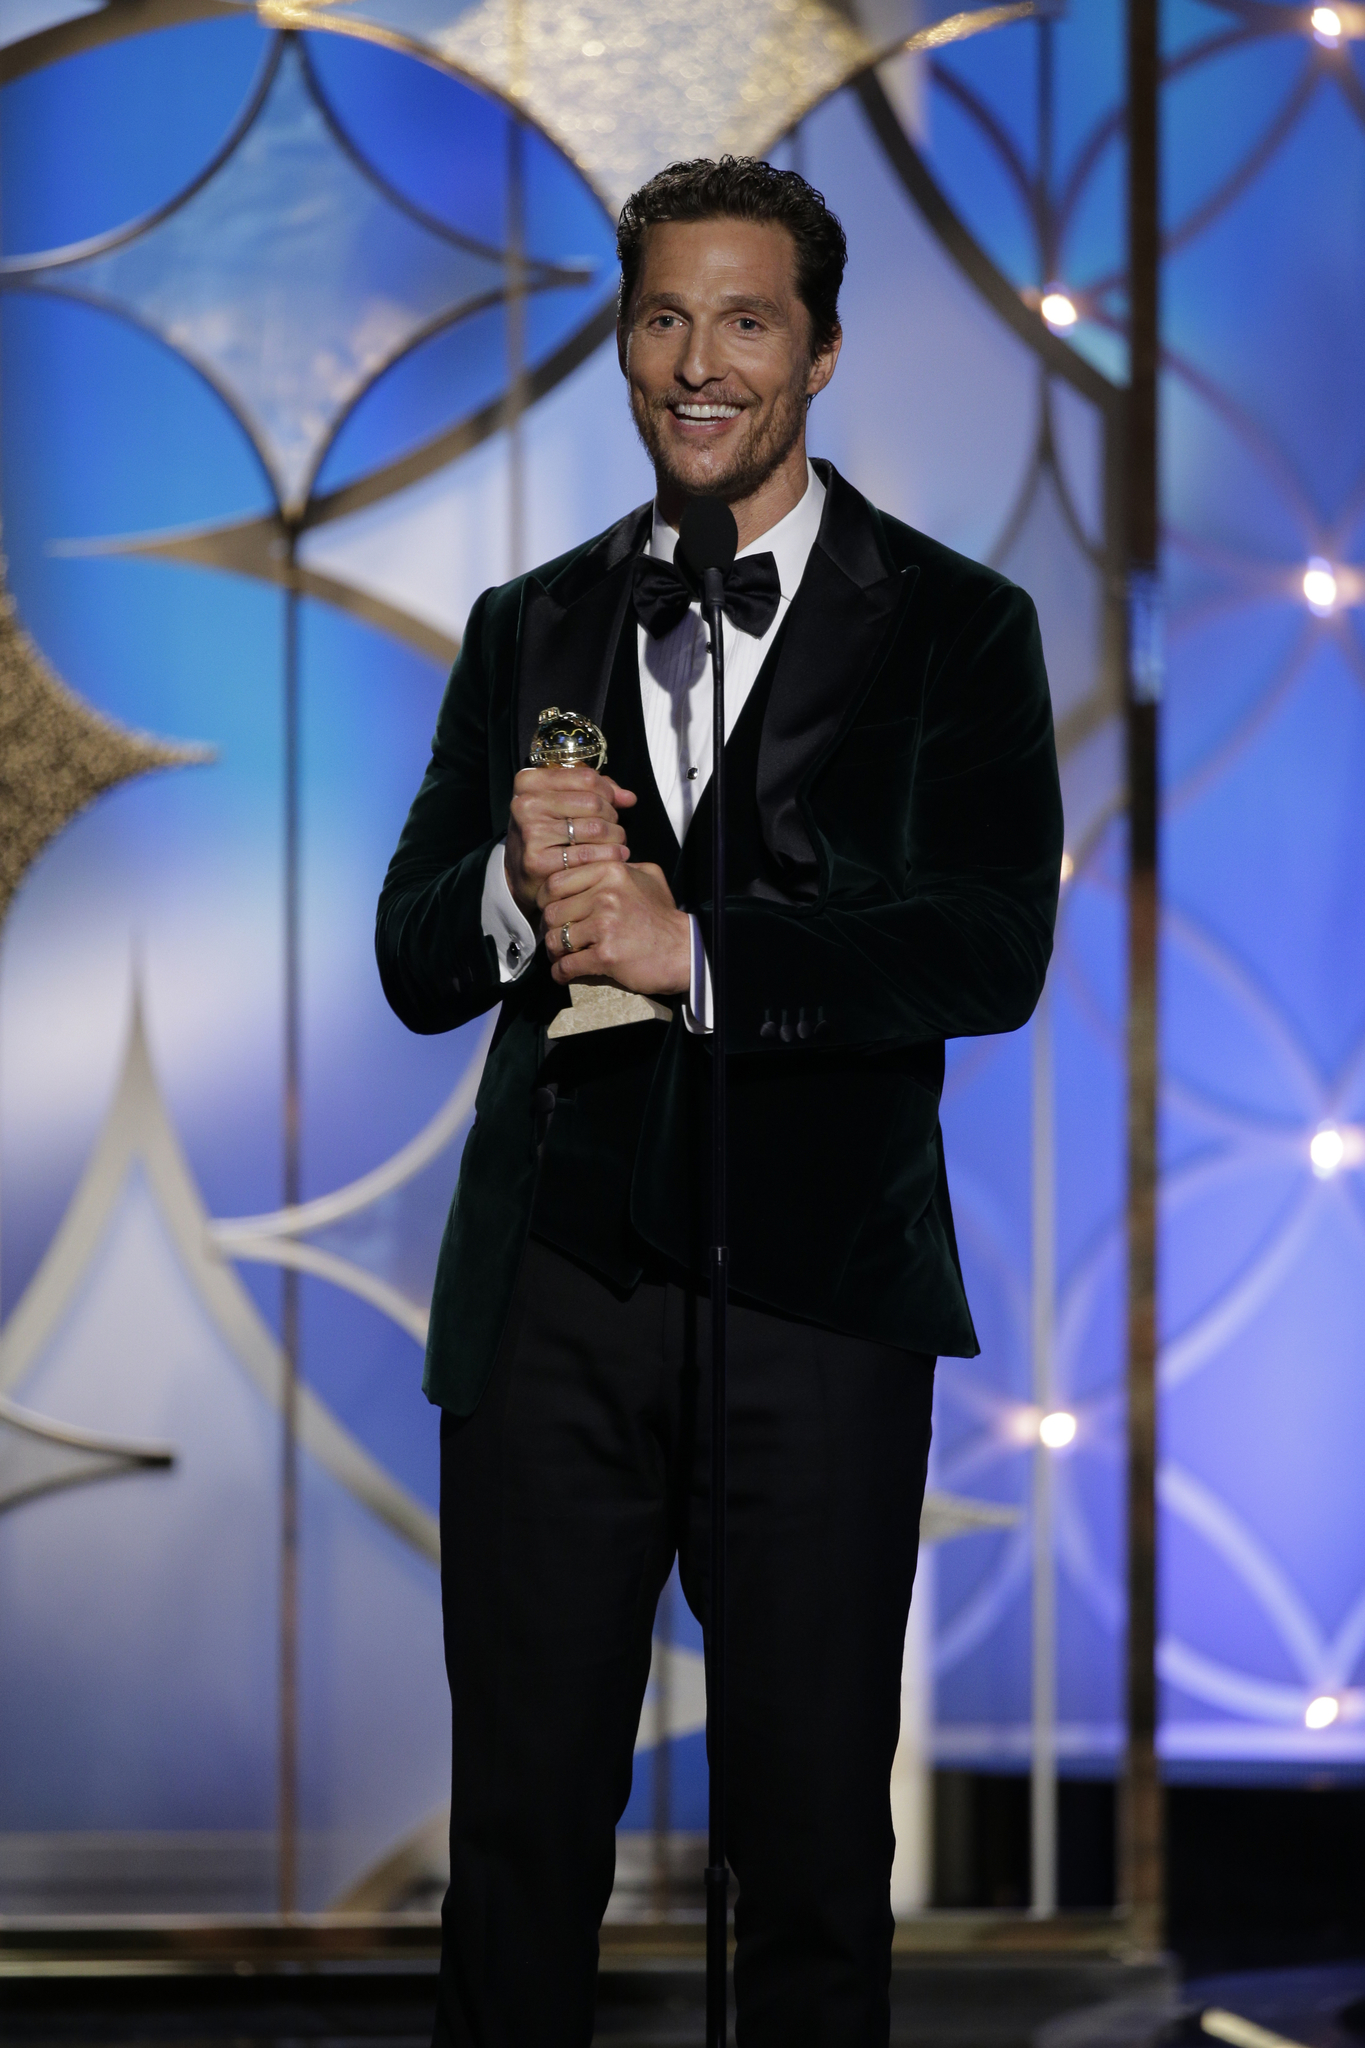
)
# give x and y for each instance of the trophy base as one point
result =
(600, 1005)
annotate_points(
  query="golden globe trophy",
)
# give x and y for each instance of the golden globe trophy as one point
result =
(565, 739)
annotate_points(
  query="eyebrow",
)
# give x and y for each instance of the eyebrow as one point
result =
(732, 301)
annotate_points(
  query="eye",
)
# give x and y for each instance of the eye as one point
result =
(748, 324)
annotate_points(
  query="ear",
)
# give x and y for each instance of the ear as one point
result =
(822, 365)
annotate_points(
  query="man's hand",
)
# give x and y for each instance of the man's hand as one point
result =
(622, 925)
(539, 841)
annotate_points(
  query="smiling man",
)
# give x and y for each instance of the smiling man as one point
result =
(895, 834)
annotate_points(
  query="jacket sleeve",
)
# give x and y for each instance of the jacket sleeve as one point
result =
(437, 967)
(964, 950)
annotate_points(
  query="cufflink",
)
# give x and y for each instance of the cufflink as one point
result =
(513, 952)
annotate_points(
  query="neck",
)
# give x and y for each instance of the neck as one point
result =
(778, 494)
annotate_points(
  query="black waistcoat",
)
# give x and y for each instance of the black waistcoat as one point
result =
(602, 1079)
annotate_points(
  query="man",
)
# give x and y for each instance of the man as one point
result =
(895, 845)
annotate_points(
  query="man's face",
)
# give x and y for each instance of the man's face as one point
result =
(716, 352)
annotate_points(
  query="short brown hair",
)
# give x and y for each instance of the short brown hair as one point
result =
(743, 188)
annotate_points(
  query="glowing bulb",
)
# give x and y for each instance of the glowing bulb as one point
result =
(1057, 1429)
(1068, 867)
(1321, 1712)
(1325, 23)
(1058, 309)
(1319, 586)
(1327, 1151)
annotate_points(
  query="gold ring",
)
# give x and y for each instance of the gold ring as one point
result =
(564, 938)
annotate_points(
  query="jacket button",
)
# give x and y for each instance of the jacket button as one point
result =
(767, 1029)
(543, 1101)
(787, 1034)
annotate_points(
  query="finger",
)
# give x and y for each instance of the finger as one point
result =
(580, 777)
(549, 784)
(583, 964)
(542, 827)
(550, 847)
(554, 825)
(569, 885)
(578, 966)
(543, 856)
(591, 863)
(579, 938)
(553, 819)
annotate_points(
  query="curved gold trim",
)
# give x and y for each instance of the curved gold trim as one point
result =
(113, 23)
(93, 246)
(137, 1131)
(259, 547)
(91, 1455)
(124, 18)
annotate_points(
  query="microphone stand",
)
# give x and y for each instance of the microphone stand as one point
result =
(717, 1871)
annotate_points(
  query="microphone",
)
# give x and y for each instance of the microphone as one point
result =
(709, 539)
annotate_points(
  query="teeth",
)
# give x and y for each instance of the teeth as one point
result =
(707, 412)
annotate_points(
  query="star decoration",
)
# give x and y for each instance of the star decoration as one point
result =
(56, 753)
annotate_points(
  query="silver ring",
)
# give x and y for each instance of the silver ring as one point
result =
(564, 938)
(565, 851)
(568, 826)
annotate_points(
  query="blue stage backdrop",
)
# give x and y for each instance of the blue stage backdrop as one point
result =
(264, 324)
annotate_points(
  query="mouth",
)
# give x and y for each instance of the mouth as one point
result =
(701, 420)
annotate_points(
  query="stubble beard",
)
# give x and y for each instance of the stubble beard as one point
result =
(753, 462)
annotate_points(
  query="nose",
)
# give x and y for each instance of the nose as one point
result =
(701, 357)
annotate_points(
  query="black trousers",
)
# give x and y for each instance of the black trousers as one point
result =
(564, 1499)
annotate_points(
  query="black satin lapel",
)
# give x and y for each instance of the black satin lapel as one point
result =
(835, 632)
(566, 650)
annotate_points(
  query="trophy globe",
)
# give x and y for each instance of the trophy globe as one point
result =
(566, 739)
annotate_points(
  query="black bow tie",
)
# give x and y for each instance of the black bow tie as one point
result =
(665, 590)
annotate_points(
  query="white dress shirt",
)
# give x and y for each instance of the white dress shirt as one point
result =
(676, 700)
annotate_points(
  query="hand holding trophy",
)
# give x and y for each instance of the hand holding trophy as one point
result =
(565, 739)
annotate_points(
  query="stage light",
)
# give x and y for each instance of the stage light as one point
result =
(1058, 309)
(1321, 1712)
(1068, 867)
(1327, 1151)
(1057, 1430)
(1319, 586)
(1325, 23)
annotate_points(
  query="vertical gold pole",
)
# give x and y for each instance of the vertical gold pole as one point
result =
(1141, 1819)
(517, 393)
(288, 1791)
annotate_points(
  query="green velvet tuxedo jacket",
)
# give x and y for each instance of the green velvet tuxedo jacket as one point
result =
(908, 803)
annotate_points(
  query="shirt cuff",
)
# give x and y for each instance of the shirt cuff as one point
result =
(697, 1014)
(502, 921)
